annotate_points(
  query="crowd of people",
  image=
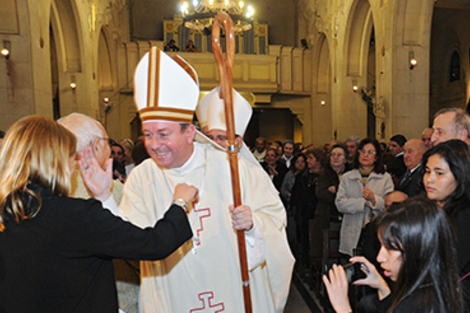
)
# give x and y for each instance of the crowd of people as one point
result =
(348, 186)
(166, 199)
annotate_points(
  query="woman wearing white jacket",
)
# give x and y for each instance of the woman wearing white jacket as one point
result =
(361, 193)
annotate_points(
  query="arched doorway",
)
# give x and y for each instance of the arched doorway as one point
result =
(108, 99)
(65, 55)
(371, 87)
(360, 67)
(54, 76)
(322, 107)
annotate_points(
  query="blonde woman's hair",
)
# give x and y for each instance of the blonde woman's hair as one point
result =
(35, 150)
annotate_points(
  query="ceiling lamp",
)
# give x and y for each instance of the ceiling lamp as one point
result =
(200, 14)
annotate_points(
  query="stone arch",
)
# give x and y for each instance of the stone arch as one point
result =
(105, 68)
(360, 67)
(66, 32)
(323, 66)
(54, 78)
(322, 115)
(359, 26)
(67, 57)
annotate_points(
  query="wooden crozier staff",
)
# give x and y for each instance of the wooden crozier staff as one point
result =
(226, 72)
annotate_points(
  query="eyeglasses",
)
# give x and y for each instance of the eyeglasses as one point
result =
(369, 152)
(108, 140)
(218, 138)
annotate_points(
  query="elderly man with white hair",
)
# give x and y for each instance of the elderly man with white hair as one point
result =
(90, 133)
(451, 123)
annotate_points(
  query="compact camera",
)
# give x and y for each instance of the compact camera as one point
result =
(354, 272)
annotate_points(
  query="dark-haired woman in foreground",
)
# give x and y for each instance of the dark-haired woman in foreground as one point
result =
(446, 179)
(55, 251)
(417, 253)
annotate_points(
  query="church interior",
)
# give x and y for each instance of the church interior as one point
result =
(313, 70)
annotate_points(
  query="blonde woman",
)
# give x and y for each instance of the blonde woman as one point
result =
(55, 251)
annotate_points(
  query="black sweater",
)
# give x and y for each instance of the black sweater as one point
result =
(60, 260)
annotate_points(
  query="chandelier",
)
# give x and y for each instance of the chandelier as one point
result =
(200, 15)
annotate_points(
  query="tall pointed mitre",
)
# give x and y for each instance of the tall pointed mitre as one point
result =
(215, 111)
(165, 88)
(211, 108)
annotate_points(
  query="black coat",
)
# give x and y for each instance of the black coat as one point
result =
(303, 196)
(61, 259)
(281, 170)
(395, 166)
(326, 200)
(412, 185)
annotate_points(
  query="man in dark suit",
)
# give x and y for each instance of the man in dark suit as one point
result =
(396, 148)
(410, 181)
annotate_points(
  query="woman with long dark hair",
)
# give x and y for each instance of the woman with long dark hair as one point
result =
(446, 178)
(417, 254)
(56, 252)
(361, 193)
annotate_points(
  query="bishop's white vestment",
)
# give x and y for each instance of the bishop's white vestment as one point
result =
(203, 275)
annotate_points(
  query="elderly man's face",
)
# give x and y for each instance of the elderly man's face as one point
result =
(102, 149)
(167, 144)
(414, 150)
(444, 129)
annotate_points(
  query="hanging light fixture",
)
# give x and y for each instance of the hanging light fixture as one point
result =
(200, 14)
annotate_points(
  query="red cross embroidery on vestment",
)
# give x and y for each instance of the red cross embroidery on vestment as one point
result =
(201, 213)
(207, 305)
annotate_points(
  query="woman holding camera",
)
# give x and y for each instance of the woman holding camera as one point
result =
(417, 253)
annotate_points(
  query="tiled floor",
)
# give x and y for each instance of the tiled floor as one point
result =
(301, 298)
(295, 303)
